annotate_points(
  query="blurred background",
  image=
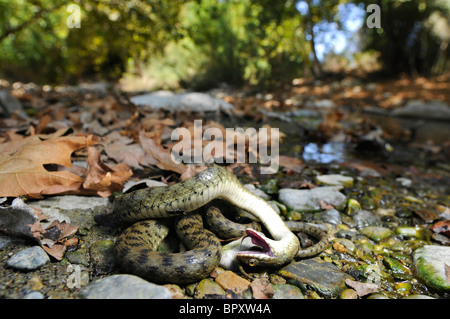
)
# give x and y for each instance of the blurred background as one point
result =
(201, 44)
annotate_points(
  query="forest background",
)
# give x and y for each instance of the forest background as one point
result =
(201, 44)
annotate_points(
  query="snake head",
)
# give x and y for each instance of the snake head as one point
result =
(265, 251)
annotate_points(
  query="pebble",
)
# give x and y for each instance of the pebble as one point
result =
(228, 280)
(376, 233)
(29, 259)
(33, 295)
(124, 287)
(193, 101)
(323, 277)
(310, 199)
(208, 287)
(335, 179)
(286, 291)
(431, 266)
(330, 216)
(364, 218)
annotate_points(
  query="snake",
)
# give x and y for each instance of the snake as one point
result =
(135, 249)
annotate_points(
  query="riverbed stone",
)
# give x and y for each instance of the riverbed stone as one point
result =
(310, 199)
(376, 233)
(29, 259)
(364, 218)
(192, 101)
(323, 277)
(286, 291)
(228, 280)
(335, 179)
(208, 287)
(124, 287)
(432, 266)
(434, 109)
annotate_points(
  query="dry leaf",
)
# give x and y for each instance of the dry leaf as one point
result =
(442, 227)
(291, 164)
(362, 288)
(163, 156)
(104, 179)
(262, 288)
(23, 172)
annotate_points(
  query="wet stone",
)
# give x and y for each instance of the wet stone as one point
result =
(330, 216)
(228, 280)
(335, 179)
(323, 277)
(124, 287)
(29, 259)
(310, 199)
(286, 291)
(208, 287)
(376, 233)
(432, 266)
(364, 218)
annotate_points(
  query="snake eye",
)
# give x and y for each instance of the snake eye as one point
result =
(252, 262)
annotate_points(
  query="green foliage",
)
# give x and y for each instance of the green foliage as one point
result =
(406, 41)
(202, 43)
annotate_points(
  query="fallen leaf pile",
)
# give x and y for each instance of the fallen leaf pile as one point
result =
(40, 165)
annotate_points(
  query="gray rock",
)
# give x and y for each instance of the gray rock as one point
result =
(75, 210)
(193, 102)
(285, 291)
(323, 277)
(364, 218)
(29, 259)
(256, 191)
(436, 110)
(10, 104)
(432, 266)
(124, 287)
(376, 233)
(418, 297)
(335, 179)
(16, 218)
(309, 199)
(33, 295)
(330, 216)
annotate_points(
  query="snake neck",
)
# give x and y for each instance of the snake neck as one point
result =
(284, 244)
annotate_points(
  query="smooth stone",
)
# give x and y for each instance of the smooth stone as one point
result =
(208, 287)
(335, 179)
(309, 199)
(376, 233)
(420, 109)
(323, 277)
(29, 259)
(432, 265)
(33, 295)
(364, 218)
(418, 297)
(73, 209)
(124, 287)
(228, 280)
(286, 291)
(330, 216)
(194, 102)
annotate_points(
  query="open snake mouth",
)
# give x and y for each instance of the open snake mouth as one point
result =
(260, 243)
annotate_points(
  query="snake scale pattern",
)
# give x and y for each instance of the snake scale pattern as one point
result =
(136, 247)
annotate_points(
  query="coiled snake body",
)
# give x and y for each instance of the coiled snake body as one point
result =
(135, 249)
